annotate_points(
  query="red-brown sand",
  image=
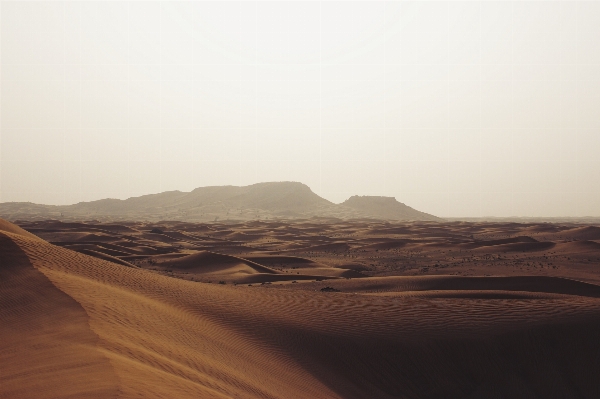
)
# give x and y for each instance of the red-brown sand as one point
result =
(433, 317)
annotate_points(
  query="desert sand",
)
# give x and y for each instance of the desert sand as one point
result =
(309, 308)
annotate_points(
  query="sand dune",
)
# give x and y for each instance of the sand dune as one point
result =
(578, 247)
(333, 247)
(374, 248)
(304, 267)
(518, 247)
(579, 233)
(48, 349)
(210, 262)
(72, 325)
(383, 245)
(529, 284)
(512, 240)
(211, 266)
(104, 256)
(14, 229)
(284, 261)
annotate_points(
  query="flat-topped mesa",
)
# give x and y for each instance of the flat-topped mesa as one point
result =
(386, 208)
(269, 200)
(271, 196)
(371, 199)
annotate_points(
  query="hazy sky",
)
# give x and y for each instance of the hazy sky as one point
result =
(455, 108)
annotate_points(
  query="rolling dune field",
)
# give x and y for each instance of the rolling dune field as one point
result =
(315, 308)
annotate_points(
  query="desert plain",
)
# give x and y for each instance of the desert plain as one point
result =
(304, 308)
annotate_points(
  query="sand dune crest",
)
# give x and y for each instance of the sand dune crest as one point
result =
(136, 333)
(48, 349)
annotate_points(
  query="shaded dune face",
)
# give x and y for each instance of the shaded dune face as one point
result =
(48, 349)
(135, 333)
(208, 262)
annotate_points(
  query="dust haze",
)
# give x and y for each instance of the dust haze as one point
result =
(458, 109)
(300, 200)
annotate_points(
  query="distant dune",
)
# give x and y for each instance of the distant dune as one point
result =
(284, 200)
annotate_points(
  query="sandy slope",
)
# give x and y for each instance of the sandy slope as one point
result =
(8, 227)
(158, 336)
(47, 348)
(77, 326)
(211, 266)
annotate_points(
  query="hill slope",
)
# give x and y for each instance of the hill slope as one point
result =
(386, 208)
(257, 201)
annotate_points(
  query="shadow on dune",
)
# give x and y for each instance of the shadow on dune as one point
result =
(48, 349)
(531, 284)
(551, 361)
(164, 334)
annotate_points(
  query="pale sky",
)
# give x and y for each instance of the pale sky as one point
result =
(454, 108)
